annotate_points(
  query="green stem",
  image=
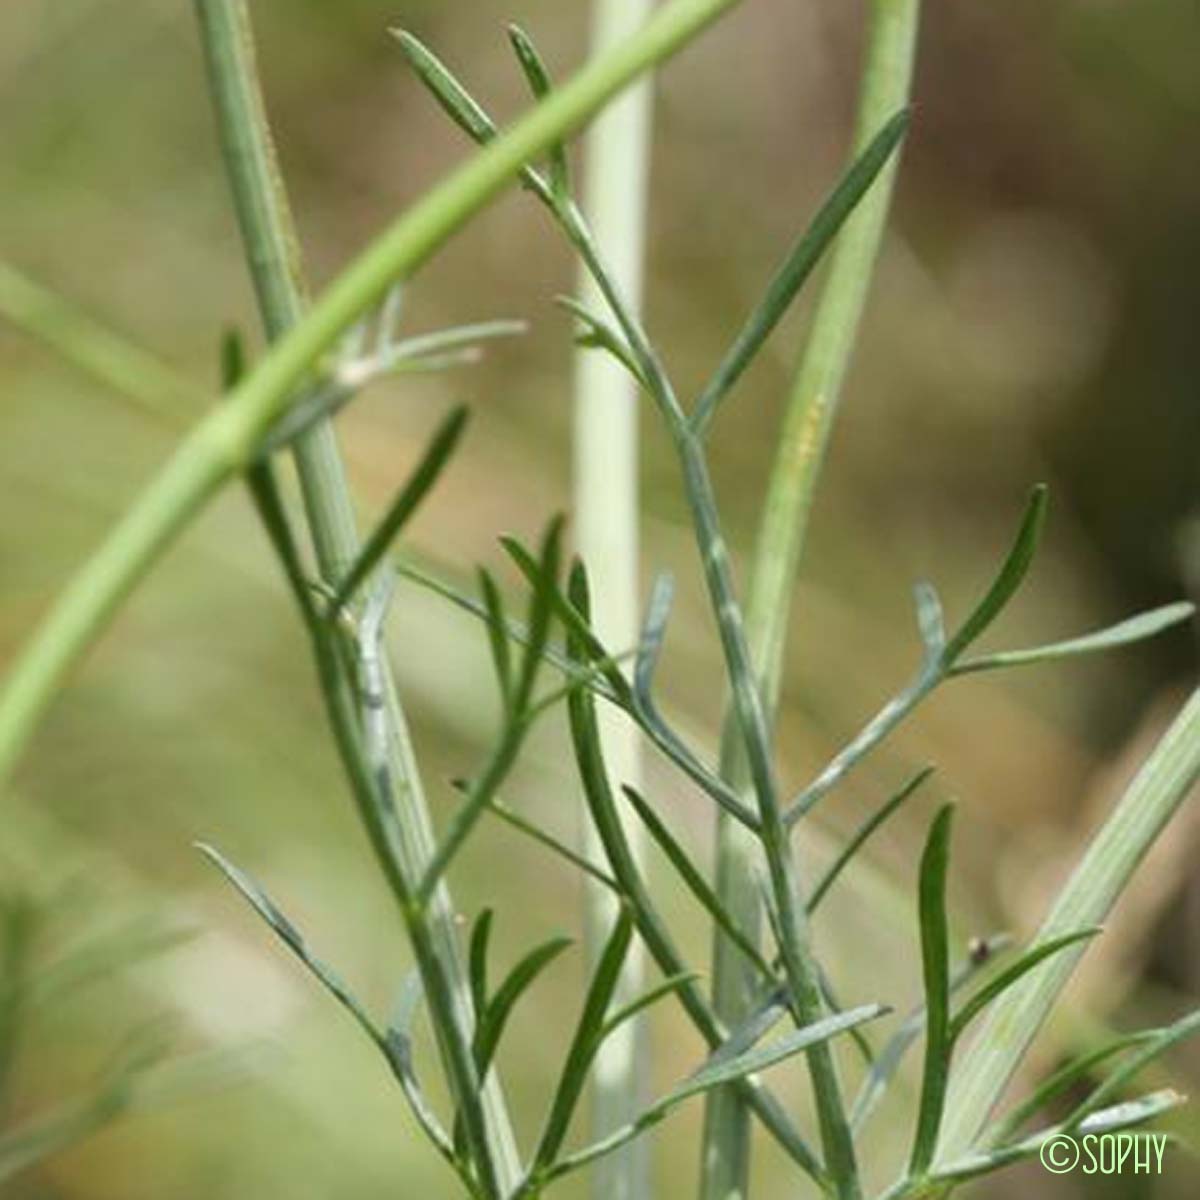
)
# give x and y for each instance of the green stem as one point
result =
(615, 201)
(274, 258)
(1151, 799)
(222, 444)
(885, 89)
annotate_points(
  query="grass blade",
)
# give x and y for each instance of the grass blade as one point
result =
(1135, 629)
(437, 453)
(935, 963)
(798, 266)
(1008, 579)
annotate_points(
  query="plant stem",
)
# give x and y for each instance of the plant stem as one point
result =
(1164, 781)
(274, 258)
(615, 199)
(224, 441)
(885, 88)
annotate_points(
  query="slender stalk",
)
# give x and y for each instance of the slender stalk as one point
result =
(224, 441)
(274, 258)
(615, 199)
(1165, 780)
(885, 89)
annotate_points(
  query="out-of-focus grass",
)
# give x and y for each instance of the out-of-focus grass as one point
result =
(1031, 321)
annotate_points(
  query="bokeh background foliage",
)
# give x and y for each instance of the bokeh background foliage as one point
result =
(1032, 319)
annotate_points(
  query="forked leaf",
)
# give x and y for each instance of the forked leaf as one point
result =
(1015, 971)
(541, 86)
(694, 881)
(515, 984)
(599, 334)
(437, 453)
(585, 1042)
(1008, 579)
(798, 266)
(1135, 629)
(458, 104)
(935, 969)
(862, 834)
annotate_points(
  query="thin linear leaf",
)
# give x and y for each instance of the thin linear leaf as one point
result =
(1170, 1036)
(1135, 629)
(477, 956)
(935, 965)
(443, 343)
(834, 1005)
(457, 103)
(861, 835)
(498, 642)
(517, 822)
(1061, 1081)
(1011, 974)
(600, 335)
(541, 86)
(1008, 579)
(695, 881)
(585, 1042)
(713, 1074)
(233, 358)
(437, 453)
(745, 1036)
(799, 265)
(542, 607)
(668, 987)
(515, 984)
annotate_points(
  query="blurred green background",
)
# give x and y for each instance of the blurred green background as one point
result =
(1033, 319)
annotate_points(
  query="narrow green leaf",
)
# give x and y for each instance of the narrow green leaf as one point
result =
(477, 955)
(1168, 1037)
(935, 964)
(233, 358)
(695, 881)
(264, 490)
(585, 1042)
(668, 987)
(458, 104)
(600, 335)
(496, 625)
(861, 835)
(1061, 1081)
(541, 610)
(1009, 578)
(1135, 629)
(541, 86)
(530, 830)
(515, 984)
(1015, 971)
(441, 446)
(798, 266)
(930, 620)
